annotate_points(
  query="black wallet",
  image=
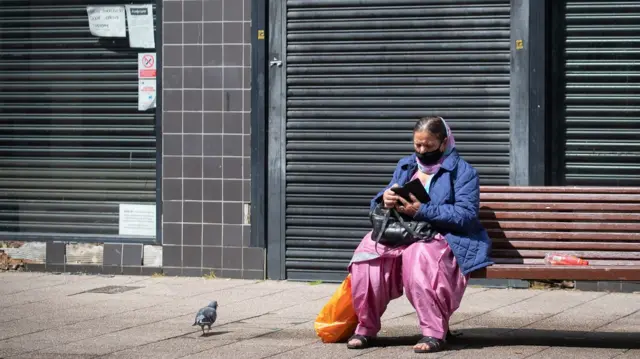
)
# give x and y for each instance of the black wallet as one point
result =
(414, 187)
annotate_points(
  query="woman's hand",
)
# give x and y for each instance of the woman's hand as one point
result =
(390, 198)
(409, 208)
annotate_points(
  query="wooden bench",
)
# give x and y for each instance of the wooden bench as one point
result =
(599, 224)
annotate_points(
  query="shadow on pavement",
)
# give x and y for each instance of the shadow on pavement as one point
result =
(212, 334)
(498, 337)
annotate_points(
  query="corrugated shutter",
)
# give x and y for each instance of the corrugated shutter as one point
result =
(602, 103)
(359, 74)
(72, 142)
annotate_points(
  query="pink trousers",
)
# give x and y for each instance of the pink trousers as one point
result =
(428, 272)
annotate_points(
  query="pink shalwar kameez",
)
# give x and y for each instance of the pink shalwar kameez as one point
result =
(429, 273)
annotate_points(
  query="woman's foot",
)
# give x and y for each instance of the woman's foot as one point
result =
(358, 342)
(429, 345)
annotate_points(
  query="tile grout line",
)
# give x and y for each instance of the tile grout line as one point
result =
(242, 152)
(182, 144)
(202, 91)
(222, 115)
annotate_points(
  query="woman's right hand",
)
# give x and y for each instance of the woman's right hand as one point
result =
(389, 198)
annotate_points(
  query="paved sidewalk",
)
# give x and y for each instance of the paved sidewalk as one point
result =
(52, 316)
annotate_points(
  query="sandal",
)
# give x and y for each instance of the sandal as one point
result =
(364, 342)
(435, 345)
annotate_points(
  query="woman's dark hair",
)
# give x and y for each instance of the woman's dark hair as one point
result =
(433, 124)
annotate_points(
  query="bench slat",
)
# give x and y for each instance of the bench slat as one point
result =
(540, 261)
(555, 189)
(556, 245)
(533, 272)
(528, 253)
(551, 206)
(561, 197)
(580, 236)
(580, 226)
(571, 216)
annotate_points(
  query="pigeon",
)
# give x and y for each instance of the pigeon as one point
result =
(206, 316)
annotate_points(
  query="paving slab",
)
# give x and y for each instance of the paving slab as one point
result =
(578, 353)
(172, 348)
(538, 307)
(51, 356)
(188, 288)
(630, 354)
(506, 352)
(12, 284)
(489, 300)
(318, 350)
(52, 316)
(628, 323)
(71, 284)
(597, 313)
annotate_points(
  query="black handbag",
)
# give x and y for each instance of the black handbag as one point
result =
(393, 229)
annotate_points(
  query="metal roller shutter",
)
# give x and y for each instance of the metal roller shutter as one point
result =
(359, 74)
(72, 142)
(602, 99)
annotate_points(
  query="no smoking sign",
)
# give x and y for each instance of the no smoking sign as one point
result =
(147, 65)
(148, 61)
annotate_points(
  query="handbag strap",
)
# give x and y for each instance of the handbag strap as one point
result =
(404, 225)
(385, 221)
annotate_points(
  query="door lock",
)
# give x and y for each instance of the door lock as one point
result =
(275, 62)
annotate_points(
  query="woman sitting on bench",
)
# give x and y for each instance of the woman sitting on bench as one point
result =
(435, 273)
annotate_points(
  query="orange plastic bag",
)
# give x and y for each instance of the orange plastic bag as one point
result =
(337, 320)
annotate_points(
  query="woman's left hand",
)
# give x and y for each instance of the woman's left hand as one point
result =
(409, 208)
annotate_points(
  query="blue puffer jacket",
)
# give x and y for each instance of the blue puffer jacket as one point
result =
(454, 206)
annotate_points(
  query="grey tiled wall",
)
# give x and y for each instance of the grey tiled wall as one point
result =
(206, 139)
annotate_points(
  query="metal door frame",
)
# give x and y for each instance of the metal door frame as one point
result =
(276, 142)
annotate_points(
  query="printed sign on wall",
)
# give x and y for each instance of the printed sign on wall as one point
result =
(107, 21)
(137, 220)
(140, 19)
(146, 81)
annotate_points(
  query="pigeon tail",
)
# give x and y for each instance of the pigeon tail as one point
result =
(199, 320)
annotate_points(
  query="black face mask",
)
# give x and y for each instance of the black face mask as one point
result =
(430, 158)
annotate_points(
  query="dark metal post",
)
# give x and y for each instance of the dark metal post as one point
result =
(258, 122)
(276, 124)
(158, 129)
(556, 133)
(528, 92)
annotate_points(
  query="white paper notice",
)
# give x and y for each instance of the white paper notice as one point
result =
(146, 94)
(107, 21)
(137, 220)
(146, 81)
(140, 20)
